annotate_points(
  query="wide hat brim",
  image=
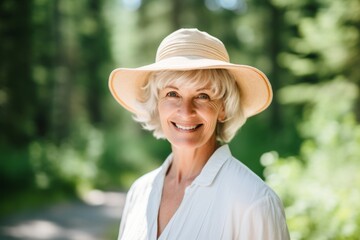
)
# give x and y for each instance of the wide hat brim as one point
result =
(255, 90)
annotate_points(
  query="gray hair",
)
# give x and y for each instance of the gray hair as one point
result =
(222, 84)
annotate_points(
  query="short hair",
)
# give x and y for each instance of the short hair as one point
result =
(222, 83)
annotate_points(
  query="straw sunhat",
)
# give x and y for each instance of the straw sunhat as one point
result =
(189, 49)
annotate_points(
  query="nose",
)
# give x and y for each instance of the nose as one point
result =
(186, 108)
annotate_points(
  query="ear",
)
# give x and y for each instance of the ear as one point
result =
(222, 114)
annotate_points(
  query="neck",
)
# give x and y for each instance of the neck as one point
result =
(188, 163)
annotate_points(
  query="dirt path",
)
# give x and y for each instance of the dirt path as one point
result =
(97, 218)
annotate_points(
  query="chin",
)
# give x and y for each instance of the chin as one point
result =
(191, 143)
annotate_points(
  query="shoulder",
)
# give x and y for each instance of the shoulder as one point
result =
(145, 181)
(243, 184)
(253, 204)
(133, 221)
(141, 189)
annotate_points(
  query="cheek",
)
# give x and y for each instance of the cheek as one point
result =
(211, 112)
(165, 108)
(213, 108)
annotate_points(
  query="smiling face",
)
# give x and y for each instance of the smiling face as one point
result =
(221, 86)
(189, 113)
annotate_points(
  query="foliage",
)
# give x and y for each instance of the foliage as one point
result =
(319, 184)
(319, 187)
(73, 162)
(54, 58)
(326, 41)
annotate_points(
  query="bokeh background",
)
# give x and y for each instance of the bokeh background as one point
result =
(63, 135)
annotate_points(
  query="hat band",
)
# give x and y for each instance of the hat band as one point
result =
(192, 49)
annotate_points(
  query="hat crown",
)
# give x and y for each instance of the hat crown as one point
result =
(192, 43)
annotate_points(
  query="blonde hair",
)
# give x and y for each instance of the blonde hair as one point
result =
(222, 84)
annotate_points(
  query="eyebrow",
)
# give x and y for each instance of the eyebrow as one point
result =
(171, 86)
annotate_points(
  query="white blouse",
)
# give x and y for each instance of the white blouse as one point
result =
(226, 201)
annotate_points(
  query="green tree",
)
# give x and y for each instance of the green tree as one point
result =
(319, 186)
(53, 87)
(17, 100)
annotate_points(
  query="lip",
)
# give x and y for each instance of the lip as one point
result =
(186, 127)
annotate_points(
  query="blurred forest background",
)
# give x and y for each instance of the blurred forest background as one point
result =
(62, 134)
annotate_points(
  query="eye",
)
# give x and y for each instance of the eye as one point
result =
(203, 96)
(172, 94)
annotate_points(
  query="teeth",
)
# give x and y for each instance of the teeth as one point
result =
(186, 127)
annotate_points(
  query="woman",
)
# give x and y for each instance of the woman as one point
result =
(197, 100)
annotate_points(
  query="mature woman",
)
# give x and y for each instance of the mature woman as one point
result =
(197, 100)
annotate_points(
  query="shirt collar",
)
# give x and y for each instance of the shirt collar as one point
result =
(209, 171)
(213, 166)
(160, 176)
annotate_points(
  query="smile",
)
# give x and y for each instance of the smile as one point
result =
(186, 128)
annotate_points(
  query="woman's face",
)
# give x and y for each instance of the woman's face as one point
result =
(189, 115)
